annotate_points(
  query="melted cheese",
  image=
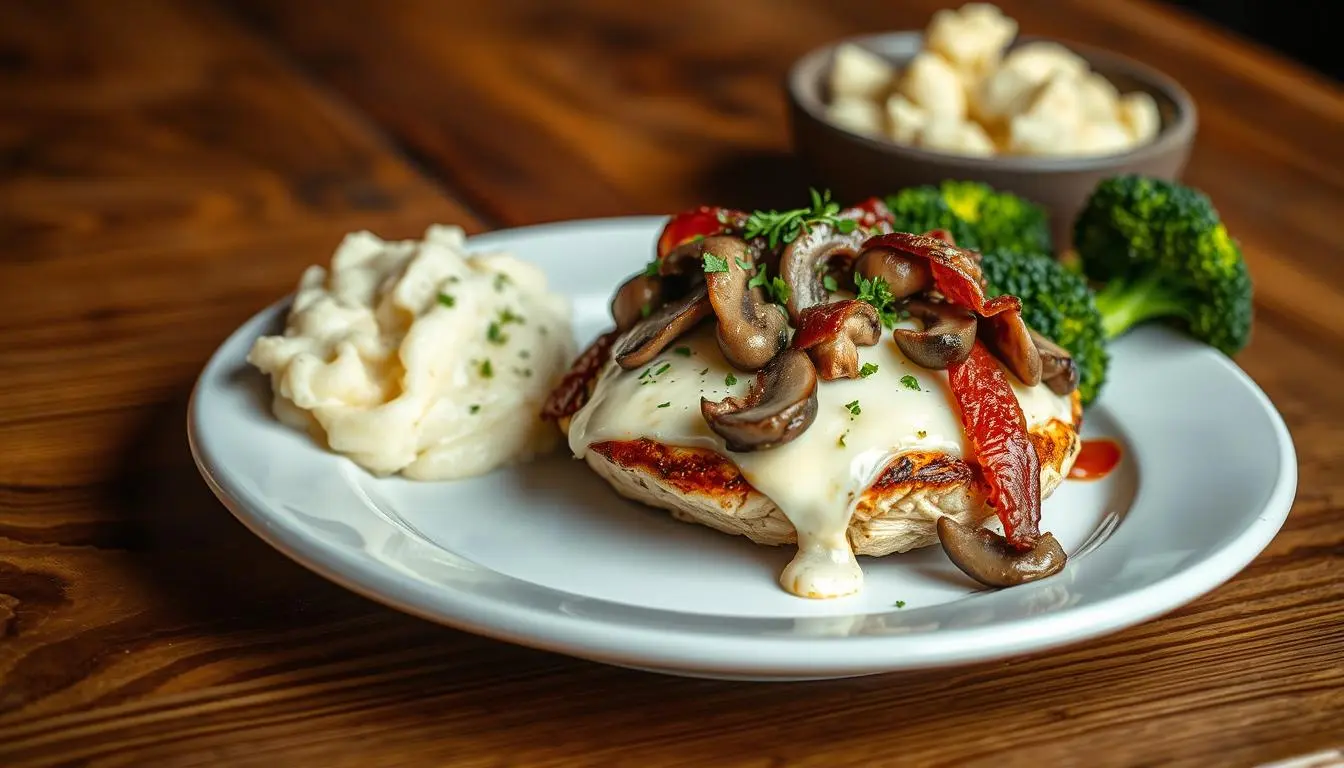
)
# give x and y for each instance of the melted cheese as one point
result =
(817, 479)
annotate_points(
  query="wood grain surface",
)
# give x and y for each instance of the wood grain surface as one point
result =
(168, 168)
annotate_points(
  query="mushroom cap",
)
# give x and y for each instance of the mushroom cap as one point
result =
(635, 300)
(751, 330)
(988, 558)
(949, 332)
(806, 261)
(780, 404)
(832, 333)
(654, 333)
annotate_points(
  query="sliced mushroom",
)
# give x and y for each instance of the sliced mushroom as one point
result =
(1009, 338)
(806, 261)
(905, 275)
(635, 300)
(1058, 370)
(654, 333)
(751, 330)
(949, 332)
(988, 558)
(832, 334)
(780, 405)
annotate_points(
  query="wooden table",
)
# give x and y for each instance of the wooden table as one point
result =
(167, 169)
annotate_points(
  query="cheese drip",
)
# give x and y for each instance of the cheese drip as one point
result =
(818, 478)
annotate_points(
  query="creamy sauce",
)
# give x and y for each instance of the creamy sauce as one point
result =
(817, 479)
(419, 358)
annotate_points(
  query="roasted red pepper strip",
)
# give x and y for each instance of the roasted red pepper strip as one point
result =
(572, 392)
(705, 221)
(998, 432)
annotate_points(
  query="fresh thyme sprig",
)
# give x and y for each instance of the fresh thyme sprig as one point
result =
(784, 226)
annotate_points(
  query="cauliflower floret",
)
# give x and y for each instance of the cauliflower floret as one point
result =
(857, 73)
(935, 86)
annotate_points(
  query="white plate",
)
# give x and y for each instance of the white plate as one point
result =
(548, 556)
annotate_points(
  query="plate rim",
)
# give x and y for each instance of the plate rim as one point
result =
(778, 657)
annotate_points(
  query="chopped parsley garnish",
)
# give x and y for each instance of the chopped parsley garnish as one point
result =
(648, 372)
(683, 351)
(487, 370)
(523, 353)
(779, 290)
(507, 316)
(900, 603)
(714, 263)
(867, 370)
(841, 441)
(910, 382)
(662, 369)
(730, 380)
(494, 334)
(829, 283)
(646, 310)
(702, 373)
(921, 434)
(758, 280)
(784, 226)
(743, 264)
(664, 405)
(878, 293)
(501, 280)
(651, 269)
(447, 300)
(473, 409)
(853, 408)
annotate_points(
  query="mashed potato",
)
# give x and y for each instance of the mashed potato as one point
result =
(417, 358)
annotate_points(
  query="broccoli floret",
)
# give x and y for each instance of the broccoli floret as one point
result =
(1161, 252)
(921, 209)
(1056, 303)
(998, 219)
(978, 217)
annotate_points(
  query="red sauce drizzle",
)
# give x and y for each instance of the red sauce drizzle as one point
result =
(1096, 460)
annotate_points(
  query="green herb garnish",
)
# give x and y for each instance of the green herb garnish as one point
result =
(745, 265)
(683, 351)
(900, 603)
(473, 409)
(867, 370)
(841, 441)
(785, 226)
(662, 369)
(651, 269)
(829, 283)
(487, 370)
(714, 263)
(447, 300)
(853, 408)
(878, 293)
(910, 382)
(730, 380)
(921, 434)
(664, 405)
(702, 373)
(507, 316)
(646, 310)
(779, 290)
(494, 334)
(501, 280)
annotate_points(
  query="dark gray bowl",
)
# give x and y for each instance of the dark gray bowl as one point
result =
(855, 166)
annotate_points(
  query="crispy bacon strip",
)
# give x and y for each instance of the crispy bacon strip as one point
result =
(573, 390)
(821, 323)
(997, 429)
(955, 271)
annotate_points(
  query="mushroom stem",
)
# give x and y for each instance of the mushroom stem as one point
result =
(653, 334)
(988, 558)
(780, 405)
(949, 332)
